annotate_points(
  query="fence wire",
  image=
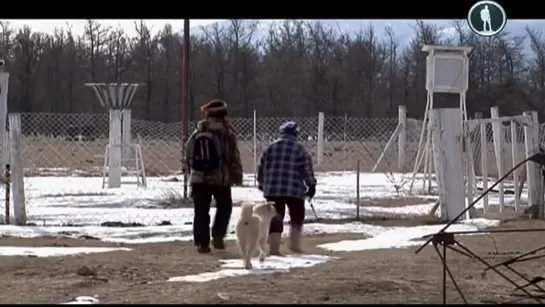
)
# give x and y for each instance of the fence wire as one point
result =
(490, 154)
(63, 159)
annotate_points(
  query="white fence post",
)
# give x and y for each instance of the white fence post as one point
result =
(499, 140)
(255, 147)
(473, 129)
(345, 167)
(530, 148)
(321, 140)
(114, 153)
(515, 161)
(447, 138)
(401, 139)
(4, 86)
(126, 134)
(17, 175)
(539, 178)
(484, 163)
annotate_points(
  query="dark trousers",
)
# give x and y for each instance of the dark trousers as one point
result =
(202, 197)
(296, 207)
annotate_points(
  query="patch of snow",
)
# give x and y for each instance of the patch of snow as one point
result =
(273, 264)
(81, 200)
(54, 251)
(156, 234)
(403, 237)
(84, 300)
(480, 223)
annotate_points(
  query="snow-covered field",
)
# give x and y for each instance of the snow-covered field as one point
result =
(82, 201)
(54, 202)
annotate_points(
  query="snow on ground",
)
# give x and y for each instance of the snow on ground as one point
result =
(273, 264)
(402, 237)
(54, 251)
(154, 234)
(82, 201)
(84, 300)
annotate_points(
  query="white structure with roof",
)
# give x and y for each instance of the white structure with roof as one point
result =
(120, 151)
(447, 71)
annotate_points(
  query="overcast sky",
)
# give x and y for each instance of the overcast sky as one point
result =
(49, 25)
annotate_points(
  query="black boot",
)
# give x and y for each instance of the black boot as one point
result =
(218, 243)
(203, 249)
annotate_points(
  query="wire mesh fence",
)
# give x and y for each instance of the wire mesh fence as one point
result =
(507, 147)
(63, 159)
(74, 144)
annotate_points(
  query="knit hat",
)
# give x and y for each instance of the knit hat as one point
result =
(215, 108)
(289, 128)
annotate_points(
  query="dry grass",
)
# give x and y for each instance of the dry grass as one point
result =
(162, 157)
(56, 156)
(400, 201)
(381, 276)
(172, 199)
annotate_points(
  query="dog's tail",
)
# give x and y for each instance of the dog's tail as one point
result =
(246, 211)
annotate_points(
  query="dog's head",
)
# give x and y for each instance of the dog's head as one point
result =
(265, 210)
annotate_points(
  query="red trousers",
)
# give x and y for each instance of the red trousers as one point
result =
(296, 207)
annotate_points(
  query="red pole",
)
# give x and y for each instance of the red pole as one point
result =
(185, 99)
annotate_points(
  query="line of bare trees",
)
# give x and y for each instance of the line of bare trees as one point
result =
(297, 69)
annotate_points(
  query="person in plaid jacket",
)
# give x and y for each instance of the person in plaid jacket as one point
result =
(286, 177)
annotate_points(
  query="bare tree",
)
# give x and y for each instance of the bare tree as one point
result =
(216, 38)
(295, 69)
(145, 50)
(28, 48)
(119, 57)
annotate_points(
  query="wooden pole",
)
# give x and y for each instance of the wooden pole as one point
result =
(185, 99)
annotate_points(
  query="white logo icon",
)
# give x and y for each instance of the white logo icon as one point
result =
(487, 18)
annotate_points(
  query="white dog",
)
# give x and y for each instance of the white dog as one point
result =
(253, 230)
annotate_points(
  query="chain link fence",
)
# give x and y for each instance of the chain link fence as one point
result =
(63, 159)
(490, 154)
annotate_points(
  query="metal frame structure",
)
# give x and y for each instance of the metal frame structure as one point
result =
(439, 54)
(447, 241)
(117, 98)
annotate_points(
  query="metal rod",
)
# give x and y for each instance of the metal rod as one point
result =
(529, 281)
(447, 271)
(444, 260)
(489, 231)
(358, 190)
(185, 99)
(517, 258)
(7, 203)
(475, 201)
(452, 248)
(497, 271)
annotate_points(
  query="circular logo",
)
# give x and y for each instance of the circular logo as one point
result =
(486, 18)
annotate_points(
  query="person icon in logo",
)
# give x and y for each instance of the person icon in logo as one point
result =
(485, 17)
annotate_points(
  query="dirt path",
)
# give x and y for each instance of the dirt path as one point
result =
(380, 276)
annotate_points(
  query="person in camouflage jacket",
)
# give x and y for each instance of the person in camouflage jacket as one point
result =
(216, 183)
